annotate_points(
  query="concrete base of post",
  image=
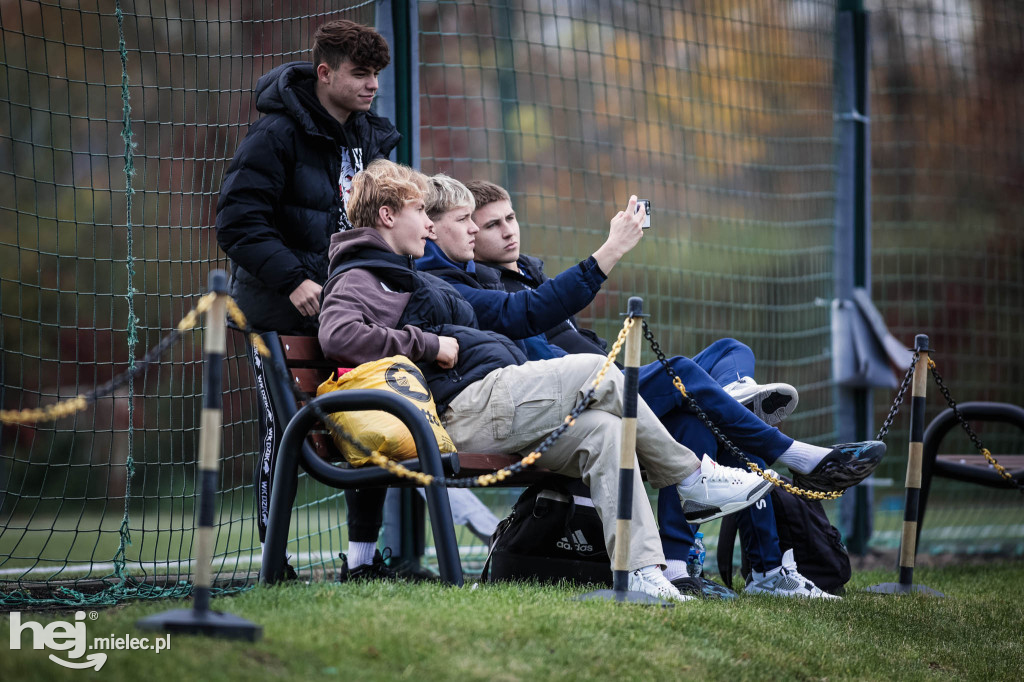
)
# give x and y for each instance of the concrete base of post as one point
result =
(207, 623)
(900, 588)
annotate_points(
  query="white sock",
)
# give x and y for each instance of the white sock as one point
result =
(803, 457)
(676, 569)
(360, 553)
(691, 479)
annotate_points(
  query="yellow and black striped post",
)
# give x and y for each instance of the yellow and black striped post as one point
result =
(911, 511)
(200, 619)
(627, 450)
(215, 348)
(627, 455)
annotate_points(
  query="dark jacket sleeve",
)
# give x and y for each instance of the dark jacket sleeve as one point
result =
(568, 335)
(532, 311)
(253, 186)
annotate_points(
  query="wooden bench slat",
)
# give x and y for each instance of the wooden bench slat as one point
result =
(309, 380)
(478, 460)
(1009, 462)
(304, 351)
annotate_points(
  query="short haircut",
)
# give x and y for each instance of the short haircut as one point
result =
(445, 194)
(342, 39)
(485, 192)
(383, 183)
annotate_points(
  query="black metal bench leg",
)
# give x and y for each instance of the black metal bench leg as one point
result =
(440, 510)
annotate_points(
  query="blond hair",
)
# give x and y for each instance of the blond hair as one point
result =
(383, 183)
(445, 194)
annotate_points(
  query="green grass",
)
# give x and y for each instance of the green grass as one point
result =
(528, 632)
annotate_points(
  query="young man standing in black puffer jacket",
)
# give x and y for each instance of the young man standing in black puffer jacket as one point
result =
(285, 192)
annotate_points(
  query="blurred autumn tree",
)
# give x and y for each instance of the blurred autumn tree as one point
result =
(719, 112)
(948, 169)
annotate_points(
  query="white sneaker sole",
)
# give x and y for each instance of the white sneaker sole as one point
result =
(772, 406)
(824, 596)
(701, 512)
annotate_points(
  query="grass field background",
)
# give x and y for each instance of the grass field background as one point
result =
(530, 632)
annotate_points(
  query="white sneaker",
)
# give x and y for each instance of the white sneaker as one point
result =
(785, 581)
(770, 402)
(720, 490)
(650, 580)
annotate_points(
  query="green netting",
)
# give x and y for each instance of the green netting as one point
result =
(721, 113)
(116, 123)
(948, 168)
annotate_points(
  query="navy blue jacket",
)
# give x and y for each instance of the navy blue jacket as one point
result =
(280, 203)
(566, 335)
(521, 314)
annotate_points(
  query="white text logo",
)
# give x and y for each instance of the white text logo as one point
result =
(70, 637)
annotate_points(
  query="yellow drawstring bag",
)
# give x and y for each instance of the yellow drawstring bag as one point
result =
(378, 431)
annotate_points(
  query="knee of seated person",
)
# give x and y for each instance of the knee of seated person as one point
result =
(589, 360)
(682, 365)
(730, 345)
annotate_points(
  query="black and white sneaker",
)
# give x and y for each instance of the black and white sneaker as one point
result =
(770, 402)
(785, 581)
(720, 490)
(845, 466)
(378, 569)
(703, 588)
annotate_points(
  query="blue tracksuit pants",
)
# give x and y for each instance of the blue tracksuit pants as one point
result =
(721, 363)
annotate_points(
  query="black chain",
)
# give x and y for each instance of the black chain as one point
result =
(895, 407)
(967, 427)
(141, 367)
(691, 403)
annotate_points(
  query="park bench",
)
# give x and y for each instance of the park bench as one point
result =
(306, 443)
(972, 468)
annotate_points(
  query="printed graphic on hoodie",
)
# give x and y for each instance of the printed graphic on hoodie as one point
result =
(351, 163)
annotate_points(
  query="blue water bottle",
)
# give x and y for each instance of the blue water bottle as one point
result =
(695, 560)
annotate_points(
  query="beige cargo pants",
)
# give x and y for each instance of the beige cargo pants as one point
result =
(512, 409)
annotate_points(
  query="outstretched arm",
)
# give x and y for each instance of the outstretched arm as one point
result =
(623, 234)
(532, 311)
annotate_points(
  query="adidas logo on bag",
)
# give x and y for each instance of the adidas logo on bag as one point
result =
(579, 544)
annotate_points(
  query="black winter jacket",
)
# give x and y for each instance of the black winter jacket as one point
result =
(280, 201)
(566, 335)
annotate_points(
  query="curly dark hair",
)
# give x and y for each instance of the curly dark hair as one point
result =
(342, 39)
